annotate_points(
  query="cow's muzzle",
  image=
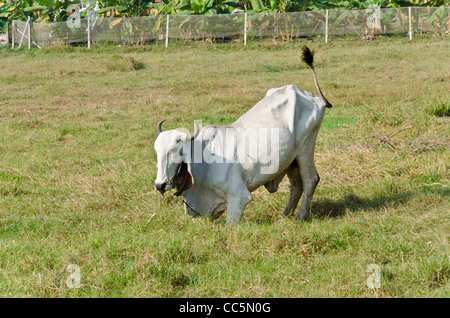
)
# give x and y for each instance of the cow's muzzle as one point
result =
(161, 187)
(181, 180)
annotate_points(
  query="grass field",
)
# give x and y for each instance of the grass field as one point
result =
(77, 170)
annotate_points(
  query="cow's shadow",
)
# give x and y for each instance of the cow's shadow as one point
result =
(323, 208)
(336, 208)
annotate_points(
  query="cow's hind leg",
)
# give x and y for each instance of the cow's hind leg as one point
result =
(310, 179)
(296, 189)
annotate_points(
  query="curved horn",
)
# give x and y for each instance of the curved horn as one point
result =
(196, 132)
(158, 127)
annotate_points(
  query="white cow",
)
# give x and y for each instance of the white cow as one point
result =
(218, 167)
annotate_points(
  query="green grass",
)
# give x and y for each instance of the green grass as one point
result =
(77, 170)
(336, 122)
(124, 64)
(439, 109)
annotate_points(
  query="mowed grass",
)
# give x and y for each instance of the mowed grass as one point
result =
(77, 170)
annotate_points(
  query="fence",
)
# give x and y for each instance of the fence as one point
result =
(375, 21)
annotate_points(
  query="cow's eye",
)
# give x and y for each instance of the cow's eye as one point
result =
(177, 150)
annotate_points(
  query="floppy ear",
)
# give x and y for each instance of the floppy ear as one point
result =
(183, 179)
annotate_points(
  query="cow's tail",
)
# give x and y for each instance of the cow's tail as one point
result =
(308, 58)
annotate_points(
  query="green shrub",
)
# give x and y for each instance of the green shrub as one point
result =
(124, 64)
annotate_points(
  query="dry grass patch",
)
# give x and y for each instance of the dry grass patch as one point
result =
(77, 168)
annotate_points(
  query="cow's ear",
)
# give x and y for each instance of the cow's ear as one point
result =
(189, 169)
(187, 177)
(183, 179)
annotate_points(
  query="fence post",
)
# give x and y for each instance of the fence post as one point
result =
(89, 30)
(245, 28)
(326, 26)
(7, 34)
(410, 24)
(167, 31)
(29, 33)
(13, 31)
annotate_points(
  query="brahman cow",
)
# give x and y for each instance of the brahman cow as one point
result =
(216, 168)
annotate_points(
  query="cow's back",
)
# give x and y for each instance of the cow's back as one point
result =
(297, 111)
(296, 114)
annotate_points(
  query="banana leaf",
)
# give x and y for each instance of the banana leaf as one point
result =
(111, 8)
(343, 15)
(257, 5)
(183, 5)
(157, 24)
(201, 6)
(90, 7)
(115, 22)
(438, 14)
(34, 8)
(210, 12)
(186, 12)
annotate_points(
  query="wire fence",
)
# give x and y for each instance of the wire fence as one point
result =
(240, 25)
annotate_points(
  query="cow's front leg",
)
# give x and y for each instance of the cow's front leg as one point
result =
(236, 203)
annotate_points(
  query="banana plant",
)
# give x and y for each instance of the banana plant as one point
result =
(439, 18)
(38, 10)
(195, 7)
(16, 9)
(56, 10)
(5, 11)
(123, 8)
